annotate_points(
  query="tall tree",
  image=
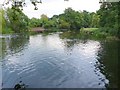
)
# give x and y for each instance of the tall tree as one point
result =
(109, 17)
(16, 19)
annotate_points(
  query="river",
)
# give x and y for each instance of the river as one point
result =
(54, 61)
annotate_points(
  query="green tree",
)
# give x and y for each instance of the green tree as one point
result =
(2, 20)
(109, 17)
(95, 18)
(63, 24)
(3, 23)
(86, 19)
(44, 20)
(73, 18)
(34, 22)
(16, 19)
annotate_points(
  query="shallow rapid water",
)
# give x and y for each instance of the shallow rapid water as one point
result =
(49, 61)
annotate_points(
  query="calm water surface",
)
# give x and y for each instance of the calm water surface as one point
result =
(50, 61)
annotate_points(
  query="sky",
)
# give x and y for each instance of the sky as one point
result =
(56, 7)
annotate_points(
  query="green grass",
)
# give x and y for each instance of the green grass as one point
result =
(89, 29)
(7, 31)
(100, 33)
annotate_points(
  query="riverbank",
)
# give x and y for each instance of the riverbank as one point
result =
(98, 33)
(90, 33)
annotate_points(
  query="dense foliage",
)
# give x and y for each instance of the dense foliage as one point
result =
(106, 19)
(14, 20)
(70, 19)
(109, 18)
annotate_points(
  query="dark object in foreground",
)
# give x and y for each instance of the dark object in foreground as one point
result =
(19, 86)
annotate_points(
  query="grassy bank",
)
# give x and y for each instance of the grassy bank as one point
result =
(83, 33)
(88, 33)
(89, 29)
(98, 33)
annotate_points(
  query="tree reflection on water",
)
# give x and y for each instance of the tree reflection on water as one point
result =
(12, 45)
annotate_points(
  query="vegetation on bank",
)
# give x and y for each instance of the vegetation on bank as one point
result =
(88, 33)
(109, 18)
(103, 23)
(14, 21)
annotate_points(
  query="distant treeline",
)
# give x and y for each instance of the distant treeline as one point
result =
(70, 19)
(106, 19)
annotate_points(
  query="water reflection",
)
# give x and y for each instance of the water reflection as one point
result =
(107, 59)
(57, 62)
(13, 43)
(108, 62)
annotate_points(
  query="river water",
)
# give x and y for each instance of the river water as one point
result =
(54, 61)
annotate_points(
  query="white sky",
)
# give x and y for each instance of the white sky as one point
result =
(56, 7)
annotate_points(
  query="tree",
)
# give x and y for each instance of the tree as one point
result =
(109, 17)
(4, 27)
(34, 22)
(16, 19)
(2, 20)
(22, 3)
(95, 18)
(44, 20)
(73, 18)
(63, 24)
(86, 19)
